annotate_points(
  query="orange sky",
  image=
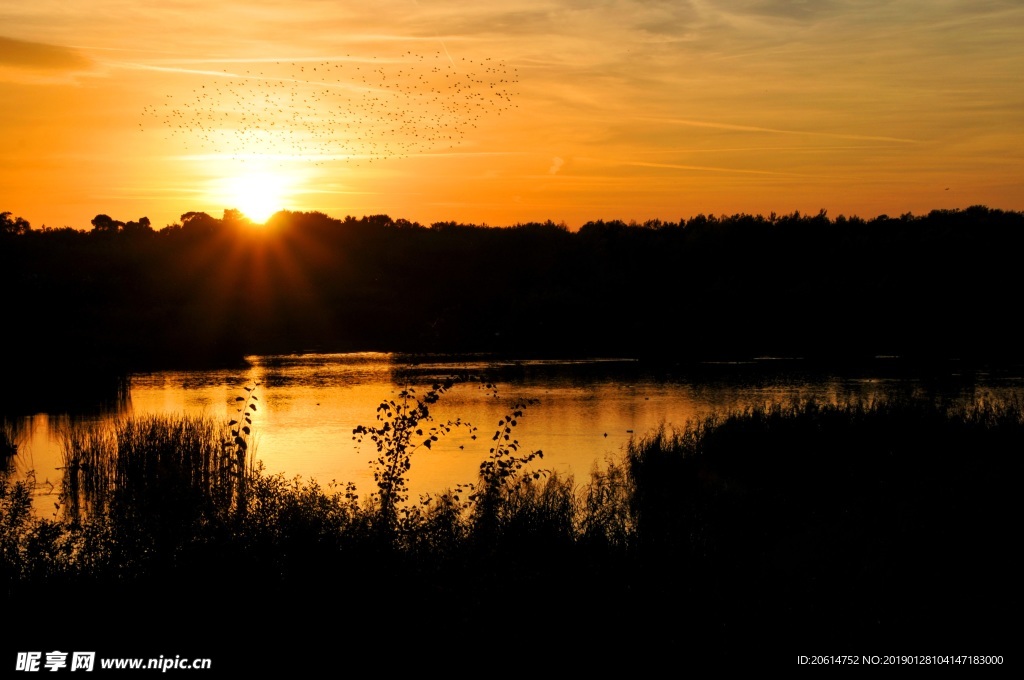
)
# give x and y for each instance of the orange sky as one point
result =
(511, 111)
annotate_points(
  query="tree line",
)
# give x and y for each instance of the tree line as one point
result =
(126, 296)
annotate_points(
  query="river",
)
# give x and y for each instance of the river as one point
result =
(580, 413)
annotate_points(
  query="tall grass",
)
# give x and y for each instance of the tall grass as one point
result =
(153, 468)
(870, 516)
(782, 517)
(693, 491)
(8, 445)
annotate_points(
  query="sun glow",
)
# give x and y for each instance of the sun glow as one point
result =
(257, 195)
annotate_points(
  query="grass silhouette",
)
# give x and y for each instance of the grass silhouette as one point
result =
(890, 522)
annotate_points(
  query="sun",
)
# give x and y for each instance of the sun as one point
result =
(258, 195)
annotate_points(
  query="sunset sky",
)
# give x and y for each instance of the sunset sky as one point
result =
(507, 112)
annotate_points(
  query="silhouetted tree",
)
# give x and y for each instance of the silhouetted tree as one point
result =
(234, 217)
(794, 284)
(15, 227)
(379, 220)
(140, 227)
(105, 224)
(199, 223)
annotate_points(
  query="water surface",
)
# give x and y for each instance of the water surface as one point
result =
(580, 413)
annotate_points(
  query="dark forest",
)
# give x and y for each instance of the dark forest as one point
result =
(125, 296)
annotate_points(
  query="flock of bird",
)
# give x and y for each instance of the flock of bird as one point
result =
(352, 109)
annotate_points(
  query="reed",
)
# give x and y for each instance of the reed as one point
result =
(89, 454)
(8, 446)
(16, 520)
(152, 468)
(538, 512)
(603, 519)
(802, 517)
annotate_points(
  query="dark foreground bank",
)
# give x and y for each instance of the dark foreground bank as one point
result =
(748, 538)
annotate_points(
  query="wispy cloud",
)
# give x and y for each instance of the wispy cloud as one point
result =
(35, 55)
(636, 103)
(696, 168)
(175, 69)
(755, 128)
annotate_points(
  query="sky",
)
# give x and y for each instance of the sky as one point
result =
(509, 112)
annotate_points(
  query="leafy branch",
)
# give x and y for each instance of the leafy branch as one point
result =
(398, 435)
(237, 461)
(501, 469)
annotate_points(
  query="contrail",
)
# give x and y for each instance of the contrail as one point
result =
(439, 39)
(754, 128)
(446, 50)
(681, 166)
(172, 69)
